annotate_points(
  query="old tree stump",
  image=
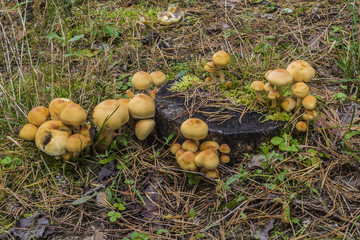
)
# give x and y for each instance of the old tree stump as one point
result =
(172, 108)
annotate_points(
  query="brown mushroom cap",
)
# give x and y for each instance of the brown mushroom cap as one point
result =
(209, 144)
(143, 128)
(257, 86)
(279, 77)
(76, 143)
(28, 132)
(186, 161)
(38, 115)
(142, 106)
(179, 153)
(141, 80)
(221, 59)
(114, 111)
(190, 145)
(225, 158)
(301, 126)
(213, 173)
(210, 67)
(273, 94)
(300, 89)
(288, 104)
(194, 128)
(158, 78)
(309, 115)
(301, 71)
(174, 148)
(56, 106)
(73, 114)
(208, 159)
(224, 148)
(309, 102)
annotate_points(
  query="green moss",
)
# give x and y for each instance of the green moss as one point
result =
(185, 83)
(278, 116)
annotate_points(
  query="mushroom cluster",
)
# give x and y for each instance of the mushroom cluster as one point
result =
(297, 73)
(192, 155)
(52, 128)
(219, 62)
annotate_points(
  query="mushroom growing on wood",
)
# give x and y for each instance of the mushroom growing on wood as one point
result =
(186, 161)
(221, 59)
(279, 78)
(194, 128)
(143, 128)
(258, 87)
(209, 144)
(301, 71)
(208, 159)
(190, 145)
(158, 78)
(142, 106)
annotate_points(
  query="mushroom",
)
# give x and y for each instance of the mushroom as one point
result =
(288, 104)
(75, 144)
(74, 115)
(179, 153)
(141, 80)
(221, 59)
(279, 78)
(110, 114)
(224, 148)
(153, 93)
(142, 106)
(258, 87)
(225, 158)
(56, 106)
(301, 126)
(186, 161)
(211, 68)
(158, 78)
(194, 128)
(309, 102)
(51, 137)
(268, 87)
(209, 144)
(300, 90)
(301, 71)
(143, 128)
(229, 84)
(273, 95)
(309, 115)
(208, 159)
(213, 173)
(85, 131)
(28, 132)
(174, 148)
(38, 115)
(190, 145)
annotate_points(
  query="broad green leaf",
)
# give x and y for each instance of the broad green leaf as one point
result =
(192, 213)
(276, 140)
(76, 38)
(54, 35)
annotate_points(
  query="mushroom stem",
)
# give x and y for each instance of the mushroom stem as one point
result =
(279, 89)
(106, 141)
(222, 76)
(259, 97)
(273, 104)
(212, 76)
(130, 94)
(298, 103)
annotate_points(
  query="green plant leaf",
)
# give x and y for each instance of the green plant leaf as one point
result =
(276, 140)
(54, 35)
(76, 38)
(84, 199)
(192, 213)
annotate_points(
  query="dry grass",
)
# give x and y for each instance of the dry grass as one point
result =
(291, 199)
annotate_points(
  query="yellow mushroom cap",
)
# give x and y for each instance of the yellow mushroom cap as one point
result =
(301, 126)
(115, 112)
(190, 145)
(28, 132)
(288, 104)
(301, 71)
(76, 143)
(208, 159)
(268, 87)
(158, 78)
(186, 161)
(273, 94)
(142, 106)
(194, 128)
(309, 102)
(38, 115)
(143, 128)
(209, 144)
(210, 67)
(221, 59)
(213, 173)
(300, 89)
(279, 77)
(225, 158)
(224, 148)
(51, 137)
(257, 86)
(174, 148)
(56, 106)
(85, 131)
(141, 80)
(309, 115)
(73, 114)
(179, 153)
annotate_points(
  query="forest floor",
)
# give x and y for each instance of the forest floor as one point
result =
(88, 50)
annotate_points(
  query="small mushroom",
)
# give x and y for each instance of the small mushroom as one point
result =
(179, 153)
(143, 128)
(288, 104)
(208, 159)
(209, 144)
(225, 158)
(186, 161)
(75, 144)
(194, 128)
(190, 145)
(301, 126)
(142, 106)
(268, 87)
(221, 59)
(301, 71)
(158, 78)
(141, 80)
(38, 115)
(213, 173)
(300, 90)
(309, 102)
(224, 148)
(279, 78)
(56, 106)
(174, 148)
(211, 68)
(258, 87)
(74, 115)
(309, 115)
(28, 132)
(273, 95)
